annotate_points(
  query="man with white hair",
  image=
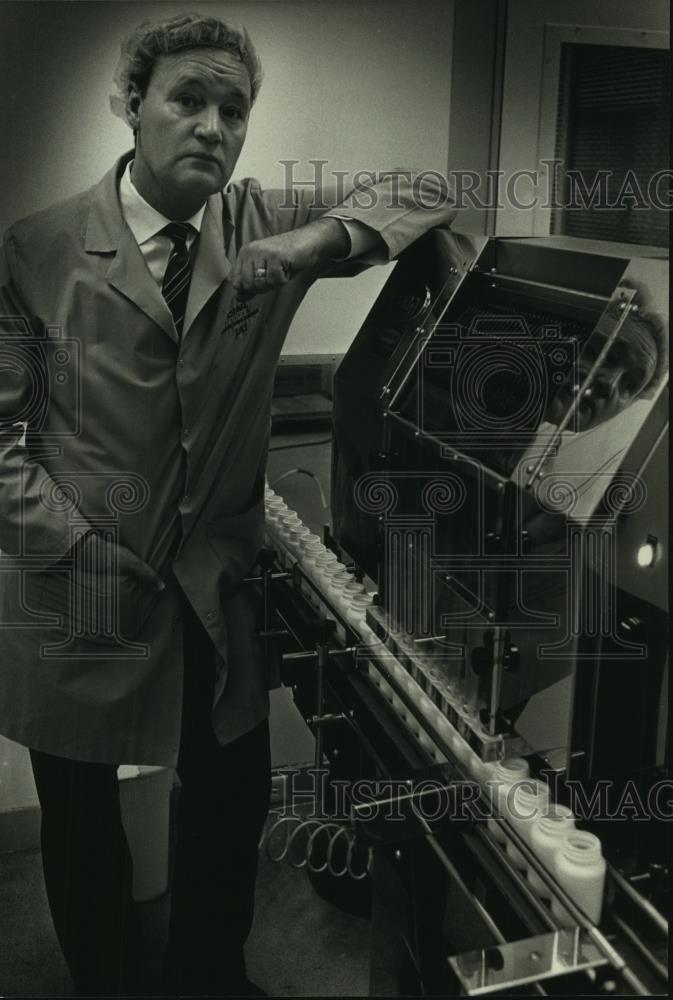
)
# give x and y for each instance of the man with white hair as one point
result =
(147, 316)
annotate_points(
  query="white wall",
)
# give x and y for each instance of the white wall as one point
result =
(363, 84)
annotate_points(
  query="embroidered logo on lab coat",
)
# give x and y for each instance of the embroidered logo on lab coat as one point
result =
(238, 318)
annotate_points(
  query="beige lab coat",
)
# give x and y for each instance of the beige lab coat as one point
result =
(160, 444)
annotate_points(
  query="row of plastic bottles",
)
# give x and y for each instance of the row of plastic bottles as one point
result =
(336, 587)
(572, 856)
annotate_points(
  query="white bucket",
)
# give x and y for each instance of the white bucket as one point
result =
(144, 793)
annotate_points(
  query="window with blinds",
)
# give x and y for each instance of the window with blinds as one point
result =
(612, 138)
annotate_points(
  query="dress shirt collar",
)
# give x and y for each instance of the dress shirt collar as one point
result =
(143, 220)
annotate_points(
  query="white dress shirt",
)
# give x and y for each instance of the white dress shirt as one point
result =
(146, 224)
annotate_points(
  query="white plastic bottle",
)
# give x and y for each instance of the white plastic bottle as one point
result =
(501, 777)
(351, 588)
(323, 560)
(336, 585)
(547, 835)
(274, 502)
(311, 548)
(332, 568)
(298, 532)
(312, 543)
(357, 610)
(286, 522)
(580, 869)
(275, 508)
(527, 801)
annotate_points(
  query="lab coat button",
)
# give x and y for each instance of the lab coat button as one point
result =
(209, 616)
(185, 498)
(185, 432)
(181, 363)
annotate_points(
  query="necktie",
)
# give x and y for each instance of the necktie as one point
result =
(175, 287)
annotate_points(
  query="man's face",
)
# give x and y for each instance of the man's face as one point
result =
(191, 125)
(621, 377)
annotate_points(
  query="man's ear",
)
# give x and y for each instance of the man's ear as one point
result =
(133, 104)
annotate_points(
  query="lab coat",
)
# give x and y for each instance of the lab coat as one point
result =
(157, 442)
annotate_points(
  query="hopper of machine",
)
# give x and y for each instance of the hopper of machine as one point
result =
(499, 426)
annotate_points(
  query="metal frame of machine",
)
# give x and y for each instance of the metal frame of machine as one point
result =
(451, 911)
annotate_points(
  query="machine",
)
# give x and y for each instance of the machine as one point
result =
(488, 609)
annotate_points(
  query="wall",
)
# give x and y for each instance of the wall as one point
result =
(364, 85)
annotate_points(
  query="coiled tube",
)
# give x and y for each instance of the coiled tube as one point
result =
(296, 839)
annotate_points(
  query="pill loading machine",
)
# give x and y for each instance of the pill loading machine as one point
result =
(498, 500)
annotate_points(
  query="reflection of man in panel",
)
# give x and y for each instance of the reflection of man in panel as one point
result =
(576, 478)
(632, 371)
(139, 524)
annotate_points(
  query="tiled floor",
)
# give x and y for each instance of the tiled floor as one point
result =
(300, 946)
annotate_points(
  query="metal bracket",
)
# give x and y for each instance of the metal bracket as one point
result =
(280, 575)
(504, 967)
(323, 720)
(311, 656)
(272, 633)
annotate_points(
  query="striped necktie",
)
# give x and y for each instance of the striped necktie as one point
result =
(175, 287)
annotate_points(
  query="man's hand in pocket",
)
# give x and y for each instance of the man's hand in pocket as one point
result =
(101, 565)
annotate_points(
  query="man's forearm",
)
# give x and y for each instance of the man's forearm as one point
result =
(387, 216)
(332, 239)
(270, 262)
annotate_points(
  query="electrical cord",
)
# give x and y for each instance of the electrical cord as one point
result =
(303, 472)
(301, 444)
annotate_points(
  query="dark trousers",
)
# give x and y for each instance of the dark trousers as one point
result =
(224, 801)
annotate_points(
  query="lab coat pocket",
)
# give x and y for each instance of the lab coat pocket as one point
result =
(136, 602)
(237, 539)
(97, 610)
(47, 593)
